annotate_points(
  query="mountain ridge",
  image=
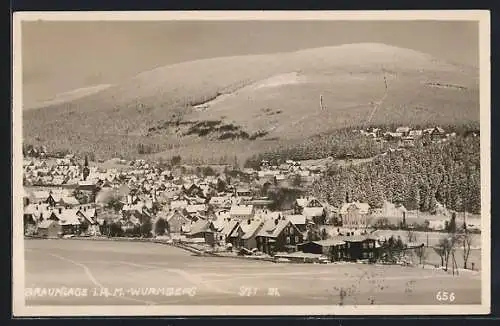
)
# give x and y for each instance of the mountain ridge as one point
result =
(348, 78)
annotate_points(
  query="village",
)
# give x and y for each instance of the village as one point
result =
(227, 210)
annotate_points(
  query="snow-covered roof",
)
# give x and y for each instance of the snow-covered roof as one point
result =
(195, 208)
(313, 211)
(250, 228)
(363, 207)
(298, 219)
(241, 210)
(67, 216)
(229, 227)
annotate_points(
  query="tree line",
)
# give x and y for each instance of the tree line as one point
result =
(419, 178)
(344, 143)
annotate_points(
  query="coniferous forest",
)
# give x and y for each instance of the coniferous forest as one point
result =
(445, 172)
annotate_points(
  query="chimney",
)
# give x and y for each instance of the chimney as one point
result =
(60, 210)
(36, 207)
(276, 221)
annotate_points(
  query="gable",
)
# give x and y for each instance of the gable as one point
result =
(314, 203)
(290, 225)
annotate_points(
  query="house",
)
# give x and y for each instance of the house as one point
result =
(244, 193)
(29, 222)
(87, 186)
(38, 211)
(68, 219)
(38, 196)
(178, 204)
(142, 215)
(49, 229)
(131, 226)
(68, 201)
(242, 212)
(437, 133)
(300, 221)
(360, 248)
(415, 133)
(261, 203)
(244, 235)
(404, 131)
(354, 215)
(284, 167)
(264, 164)
(195, 209)
(390, 136)
(407, 141)
(222, 214)
(332, 248)
(203, 229)
(88, 220)
(278, 236)
(227, 229)
(309, 207)
(267, 177)
(249, 171)
(220, 201)
(52, 200)
(394, 213)
(193, 190)
(437, 225)
(176, 220)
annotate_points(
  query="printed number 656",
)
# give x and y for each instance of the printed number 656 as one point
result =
(445, 296)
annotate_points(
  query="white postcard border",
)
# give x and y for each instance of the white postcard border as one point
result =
(19, 307)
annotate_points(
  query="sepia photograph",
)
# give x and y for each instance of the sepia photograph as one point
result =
(251, 163)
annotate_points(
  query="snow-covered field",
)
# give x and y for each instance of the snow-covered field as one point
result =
(154, 274)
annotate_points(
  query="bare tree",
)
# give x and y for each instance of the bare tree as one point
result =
(446, 250)
(442, 249)
(411, 236)
(454, 262)
(466, 244)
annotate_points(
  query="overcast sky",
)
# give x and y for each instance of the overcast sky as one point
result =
(62, 56)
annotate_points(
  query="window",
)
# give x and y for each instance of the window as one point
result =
(291, 230)
(370, 254)
(287, 240)
(365, 245)
(370, 245)
(296, 239)
(365, 255)
(348, 245)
